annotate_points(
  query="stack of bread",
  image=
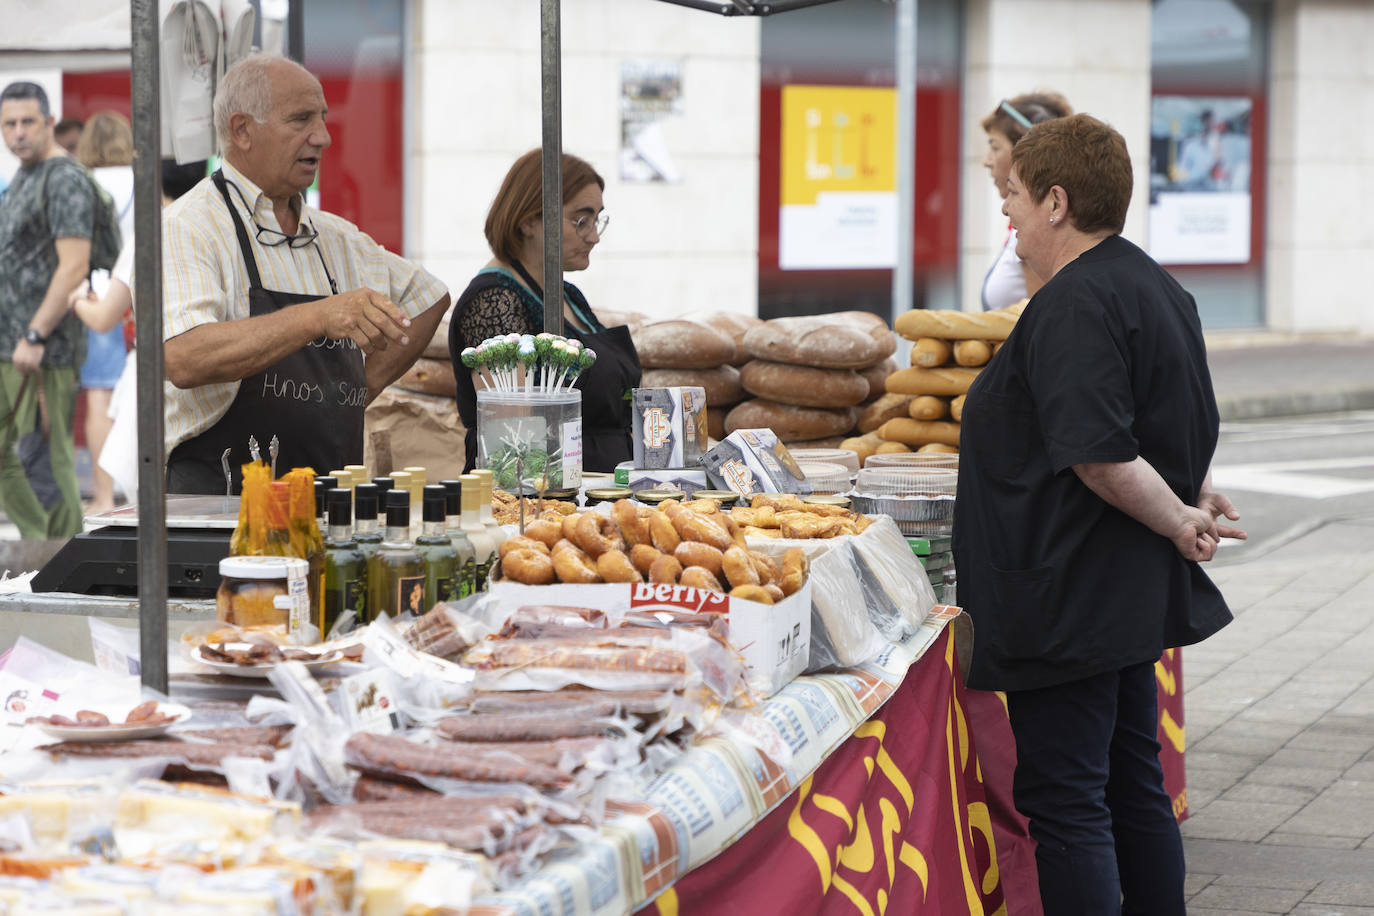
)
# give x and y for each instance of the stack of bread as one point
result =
(810, 375)
(923, 404)
(419, 413)
(701, 350)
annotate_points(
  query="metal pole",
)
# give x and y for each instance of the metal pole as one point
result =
(551, 52)
(295, 31)
(152, 510)
(903, 273)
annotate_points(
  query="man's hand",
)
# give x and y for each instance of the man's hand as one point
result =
(366, 317)
(1196, 535)
(1218, 506)
(27, 357)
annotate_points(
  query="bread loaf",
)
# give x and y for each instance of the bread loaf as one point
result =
(952, 325)
(682, 345)
(956, 408)
(827, 442)
(972, 352)
(950, 381)
(789, 422)
(919, 432)
(891, 448)
(733, 325)
(928, 407)
(430, 376)
(931, 352)
(614, 319)
(939, 447)
(437, 348)
(715, 422)
(721, 383)
(803, 385)
(876, 376)
(815, 341)
(882, 410)
(868, 322)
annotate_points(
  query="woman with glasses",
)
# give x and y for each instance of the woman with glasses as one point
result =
(507, 296)
(1010, 280)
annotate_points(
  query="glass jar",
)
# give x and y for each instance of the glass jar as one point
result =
(606, 495)
(727, 499)
(530, 441)
(263, 591)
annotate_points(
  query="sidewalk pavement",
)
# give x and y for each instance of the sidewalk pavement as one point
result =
(1264, 374)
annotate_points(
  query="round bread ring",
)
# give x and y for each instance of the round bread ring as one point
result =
(794, 566)
(692, 526)
(520, 543)
(615, 566)
(774, 592)
(699, 577)
(704, 506)
(569, 528)
(596, 533)
(695, 553)
(665, 570)
(642, 556)
(662, 532)
(528, 566)
(733, 529)
(546, 530)
(572, 564)
(633, 529)
(752, 593)
(767, 569)
(739, 567)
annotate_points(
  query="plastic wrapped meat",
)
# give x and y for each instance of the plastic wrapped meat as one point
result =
(531, 621)
(392, 755)
(580, 700)
(480, 728)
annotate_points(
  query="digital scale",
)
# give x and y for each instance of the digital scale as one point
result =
(104, 561)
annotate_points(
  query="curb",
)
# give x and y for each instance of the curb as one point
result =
(1295, 404)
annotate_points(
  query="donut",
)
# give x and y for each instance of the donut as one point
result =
(662, 532)
(695, 553)
(596, 534)
(794, 566)
(751, 532)
(569, 529)
(779, 501)
(733, 528)
(520, 543)
(643, 557)
(633, 529)
(762, 517)
(704, 506)
(545, 530)
(573, 565)
(752, 593)
(694, 527)
(665, 570)
(528, 566)
(774, 592)
(768, 570)
(739, 567)
(615, 566)
(697, 577)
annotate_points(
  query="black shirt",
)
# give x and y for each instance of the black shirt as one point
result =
(1107, 363)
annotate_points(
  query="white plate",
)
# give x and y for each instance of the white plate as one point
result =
(258, 671)
(116, 731)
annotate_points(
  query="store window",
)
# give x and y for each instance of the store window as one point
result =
(827, 187)
(1208, 120)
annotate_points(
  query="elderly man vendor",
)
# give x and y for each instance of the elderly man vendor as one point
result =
(279, 320)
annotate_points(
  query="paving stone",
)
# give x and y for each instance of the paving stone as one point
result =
(1309, 841)
(1252, 899)
(1209, 827)
(1302, 777)
(1213, 780)
(1252, 792)
(1357, 893)
(1301, 757)
(1317, 739)
(1267, 879)
(1322, 909)
(1192, 884)
(1209, 911)
(1201, 759)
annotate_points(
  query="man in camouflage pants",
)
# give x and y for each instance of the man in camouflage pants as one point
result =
(46, 220)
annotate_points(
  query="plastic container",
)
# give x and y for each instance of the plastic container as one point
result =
(262, 591)
(538, 434)
(826, 477)
(914, 460)
(919, 499)
(841, 456)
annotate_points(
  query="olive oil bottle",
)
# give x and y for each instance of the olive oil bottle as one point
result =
(366, 535)
(395, 573)
(466, 571)
(483, 544)
(345, 567)
(436, 550)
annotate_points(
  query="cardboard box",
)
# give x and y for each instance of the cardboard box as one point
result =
(668, 426)
(688, 480)
(775, 640)
(753, 461)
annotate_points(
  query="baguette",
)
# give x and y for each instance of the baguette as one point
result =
(951, 381)
(721, 383)
(972, 352)
(939, 447)
(803, 386)
(952, 325)
(682, 345)
(930, 352)
(864, 446)
(919, 432)
(928, 407)
(789, 422)
(956, 408)
(880, 411)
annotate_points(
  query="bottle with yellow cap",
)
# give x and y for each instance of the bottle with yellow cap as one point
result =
(483, 544)
(484, 510)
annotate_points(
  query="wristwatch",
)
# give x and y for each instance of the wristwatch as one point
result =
(32, 336)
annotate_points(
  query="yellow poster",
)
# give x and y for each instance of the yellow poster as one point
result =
(839, 177)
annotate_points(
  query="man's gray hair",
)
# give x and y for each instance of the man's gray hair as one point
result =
(245, 88)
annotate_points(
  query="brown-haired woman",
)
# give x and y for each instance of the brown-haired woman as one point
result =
(1086, 444)
(1010, 280)
(106, 147)
(507, 296)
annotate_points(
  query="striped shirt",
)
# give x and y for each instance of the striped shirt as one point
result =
(204, 278)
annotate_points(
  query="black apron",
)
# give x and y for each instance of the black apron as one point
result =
(311, 400)
(606, 387)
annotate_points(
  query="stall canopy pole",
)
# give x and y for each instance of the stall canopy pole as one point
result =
(152, 511)
(551, 52)
(903, 281)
